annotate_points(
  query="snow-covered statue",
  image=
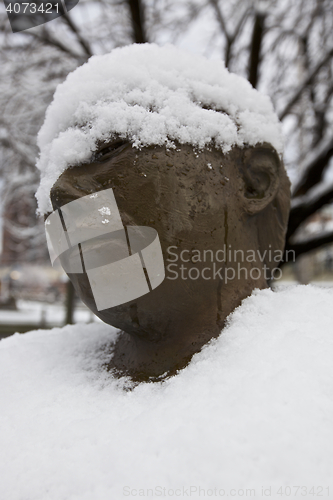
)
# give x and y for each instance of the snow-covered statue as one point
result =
(165, 196)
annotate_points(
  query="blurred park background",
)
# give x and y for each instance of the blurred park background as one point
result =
(283, 47)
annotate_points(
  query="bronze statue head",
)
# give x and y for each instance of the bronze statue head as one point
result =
(221, 219)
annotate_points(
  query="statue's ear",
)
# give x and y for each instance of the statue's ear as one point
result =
(260, 173)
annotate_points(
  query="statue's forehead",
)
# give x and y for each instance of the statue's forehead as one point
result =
(175, 179)
(116, 156)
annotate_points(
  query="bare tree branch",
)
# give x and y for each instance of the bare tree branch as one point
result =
(84, 43)
(314, 167)
(300, 212)
(46, 39)
(19, 148)
(220, 18)
(230, 37)
(308, 245)
(304, 84)
(240, 24)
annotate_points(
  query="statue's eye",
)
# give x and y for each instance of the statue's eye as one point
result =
(108, 150)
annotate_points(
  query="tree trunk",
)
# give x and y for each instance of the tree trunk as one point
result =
(70, 296)
(137, 20)
(257, 36)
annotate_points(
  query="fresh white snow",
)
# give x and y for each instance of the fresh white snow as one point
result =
(150, 95)
(254, 409)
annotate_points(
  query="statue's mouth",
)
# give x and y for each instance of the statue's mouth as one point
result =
(88, 236)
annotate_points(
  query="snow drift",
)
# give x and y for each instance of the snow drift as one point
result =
(254, 409)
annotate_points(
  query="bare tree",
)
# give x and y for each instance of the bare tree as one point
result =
(33, 63)
(283, 47)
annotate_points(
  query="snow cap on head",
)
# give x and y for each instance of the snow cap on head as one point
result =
(150, 95)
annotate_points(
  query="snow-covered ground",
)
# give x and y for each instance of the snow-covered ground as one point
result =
(253, 410)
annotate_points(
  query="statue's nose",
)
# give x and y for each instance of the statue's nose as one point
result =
(70, 187)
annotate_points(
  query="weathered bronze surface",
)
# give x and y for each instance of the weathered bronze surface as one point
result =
(196, 201)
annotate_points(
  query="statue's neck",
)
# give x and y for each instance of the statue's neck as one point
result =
(145, 360)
